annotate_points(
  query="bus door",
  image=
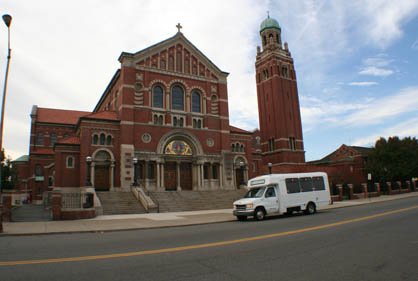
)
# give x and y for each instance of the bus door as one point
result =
(271, 200)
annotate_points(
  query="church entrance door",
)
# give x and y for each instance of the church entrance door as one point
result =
(101, 178)
(170, 176)
(186, 176)
(238, 177)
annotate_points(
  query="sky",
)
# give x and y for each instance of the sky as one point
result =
(356, 61)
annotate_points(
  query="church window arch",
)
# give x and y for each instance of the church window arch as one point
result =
(196, 102)
(264, 40)
(70, 162)
(233, 147)
(38, 170)
(177, 98)
(95, 139)
(102, 139)
(158, 97)
(109, 140)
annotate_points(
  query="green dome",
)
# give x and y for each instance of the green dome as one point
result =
(269, 23)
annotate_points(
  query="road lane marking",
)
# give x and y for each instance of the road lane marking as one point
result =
(207, 245)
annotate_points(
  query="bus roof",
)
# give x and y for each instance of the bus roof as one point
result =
(274, 178)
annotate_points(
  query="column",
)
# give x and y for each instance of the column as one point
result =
(178, 175)
(146, 175)
(202, 176)
(112, 175)
(162, 176)
(221, 176)
(158, 175)
(92, 174)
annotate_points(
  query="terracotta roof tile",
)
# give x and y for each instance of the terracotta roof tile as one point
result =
(59, 116)
(108, 115)
(238, 130)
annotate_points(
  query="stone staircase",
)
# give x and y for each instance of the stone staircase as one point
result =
(177, 201)
(118, 203)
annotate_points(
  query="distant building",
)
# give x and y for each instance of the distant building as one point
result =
(167, 106)
(346, 164)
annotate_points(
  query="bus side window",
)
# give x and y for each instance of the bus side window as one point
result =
(270, 192)
(318, 183)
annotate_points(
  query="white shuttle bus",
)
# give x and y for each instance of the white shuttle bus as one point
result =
(277, 194)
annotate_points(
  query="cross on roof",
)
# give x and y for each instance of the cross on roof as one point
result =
(179, 27)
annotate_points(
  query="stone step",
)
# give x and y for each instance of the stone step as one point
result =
(176, 201)
(114, 203)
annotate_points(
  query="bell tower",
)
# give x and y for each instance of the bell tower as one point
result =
(278, 101)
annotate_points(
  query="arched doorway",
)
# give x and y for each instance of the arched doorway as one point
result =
(240, 171)
(102, 171)
(178, 165)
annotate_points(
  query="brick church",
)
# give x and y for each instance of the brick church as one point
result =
(165, 114)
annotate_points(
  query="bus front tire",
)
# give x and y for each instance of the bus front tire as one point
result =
(310, 209)
(259, 214)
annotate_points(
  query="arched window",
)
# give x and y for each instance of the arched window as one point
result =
(102, 139)
(196, 102)
(53, 139)
(199, 123)
(242, 148)
(70, 162)
(233, 147)
(38, 170)
(158, 97)
(95, 139)
(40, 140)
(177, 98)
(160, 120)
(175, 121)
(109, 140)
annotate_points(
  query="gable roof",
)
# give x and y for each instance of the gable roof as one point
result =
(23, 158)
(103, 115)
(238, 130)
(149, 51)
(59, 116)
(363, 151)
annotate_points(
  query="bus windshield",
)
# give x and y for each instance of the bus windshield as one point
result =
(255, 192)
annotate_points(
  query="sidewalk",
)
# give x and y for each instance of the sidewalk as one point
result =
(155, 220)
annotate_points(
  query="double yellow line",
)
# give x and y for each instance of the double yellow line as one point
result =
(200, 246)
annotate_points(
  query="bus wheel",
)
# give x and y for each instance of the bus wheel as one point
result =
(242, 218)
(259, 214)
(310, 209)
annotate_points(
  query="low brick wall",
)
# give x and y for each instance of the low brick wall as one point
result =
(78, 214)
(73, 205)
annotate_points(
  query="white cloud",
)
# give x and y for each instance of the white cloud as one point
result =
(404, 129)
(363, 84)
(380, 110)
(385, 18)
(374, 71)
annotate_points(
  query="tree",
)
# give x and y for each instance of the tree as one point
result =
(8, 173)
(394, 159)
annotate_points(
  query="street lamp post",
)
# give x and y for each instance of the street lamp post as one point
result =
(88, 160)
(270, 166)
(135, 160)
(7, 20)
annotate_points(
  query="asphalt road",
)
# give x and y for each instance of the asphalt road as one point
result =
(370, 242)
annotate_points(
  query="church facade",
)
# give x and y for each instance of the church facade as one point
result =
(164, 119)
